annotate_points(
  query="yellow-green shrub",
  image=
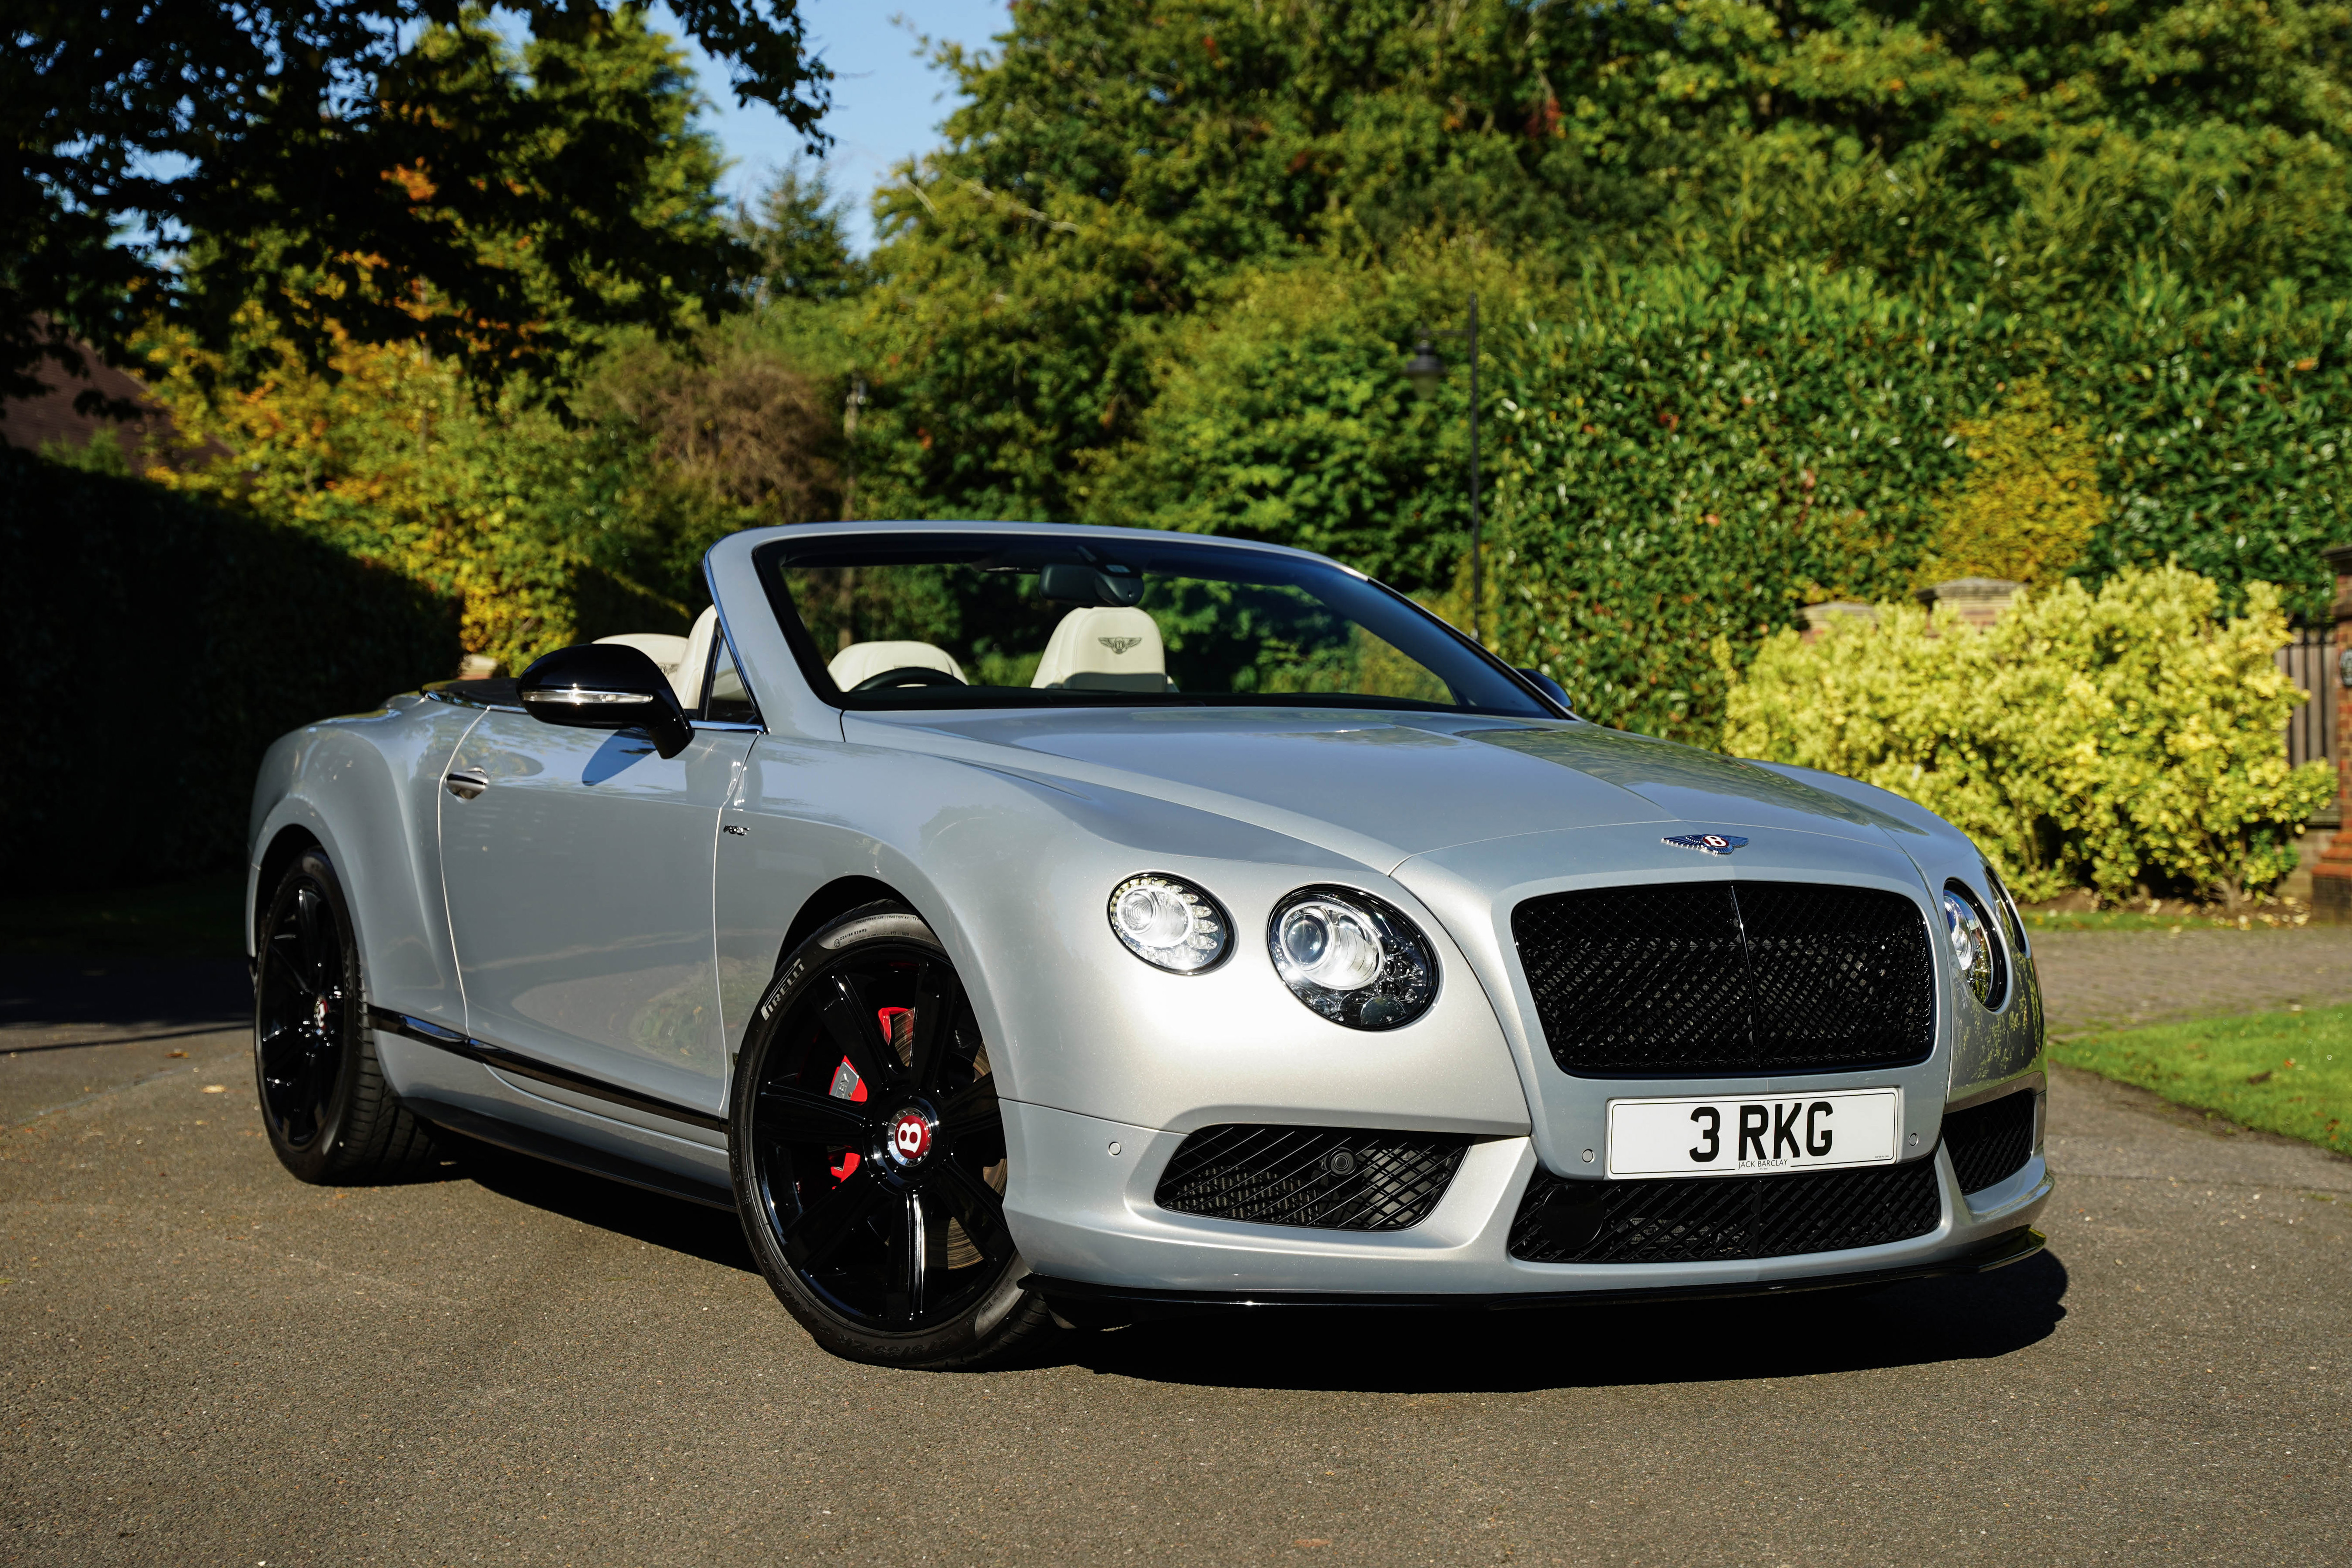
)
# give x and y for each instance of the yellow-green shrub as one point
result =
(2029, 501)
(2111, 741)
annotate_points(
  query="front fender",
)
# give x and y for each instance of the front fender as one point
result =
(1015, 873)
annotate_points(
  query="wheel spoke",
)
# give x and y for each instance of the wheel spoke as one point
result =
(313, 939)
(852, 1025)
(286, 948)
(824, 1223)
(938, 997)
(975, 1203)
(971, 1116)
(275, 1049)
(797, 1116)
(906, 1259)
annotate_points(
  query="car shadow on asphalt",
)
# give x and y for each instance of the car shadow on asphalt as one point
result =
(714, 1236)
(1972, 1318)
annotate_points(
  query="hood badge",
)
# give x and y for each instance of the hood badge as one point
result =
(1707, 843)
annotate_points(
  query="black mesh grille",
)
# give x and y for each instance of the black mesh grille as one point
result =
(1991, 1142)
(1329, 1177)
(1729, 977)
(1728, 1217)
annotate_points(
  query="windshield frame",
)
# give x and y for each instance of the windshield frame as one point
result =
(924, 543)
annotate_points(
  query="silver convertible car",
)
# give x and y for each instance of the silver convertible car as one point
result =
(1024, 924)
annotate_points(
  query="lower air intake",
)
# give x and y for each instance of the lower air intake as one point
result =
(1327, 1178)
(1698, 1221)
(1991, 1142)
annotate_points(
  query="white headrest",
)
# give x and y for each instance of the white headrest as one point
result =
(1103, 649)
(662, 648)
(688, 681)
(864, 660)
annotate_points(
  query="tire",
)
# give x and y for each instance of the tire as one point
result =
(329, 1115)
(868, 1153)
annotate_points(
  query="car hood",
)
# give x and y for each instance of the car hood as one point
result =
(1382, 787)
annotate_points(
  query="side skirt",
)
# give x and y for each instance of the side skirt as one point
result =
(573, 1156)
(548, 1146)
(521, 1066)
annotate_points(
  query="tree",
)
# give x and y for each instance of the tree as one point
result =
(798, 235)
(1118, 167)
(378, 148)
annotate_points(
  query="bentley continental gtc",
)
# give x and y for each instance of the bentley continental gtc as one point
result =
(1026, 924)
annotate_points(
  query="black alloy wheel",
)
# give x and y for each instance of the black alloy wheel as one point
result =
(870, 1152)
(329, 1115)
(303, 997)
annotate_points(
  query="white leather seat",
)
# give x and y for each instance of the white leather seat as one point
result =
(679, 657)
(1105, 648)
(688, 681)
(864, 660)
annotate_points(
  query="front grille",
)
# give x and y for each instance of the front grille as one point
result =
(1697, 1221)
(1729, 977)
(1331, 1178)
(1991, 1142)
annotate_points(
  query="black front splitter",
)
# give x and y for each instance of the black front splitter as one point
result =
(1109, 1306)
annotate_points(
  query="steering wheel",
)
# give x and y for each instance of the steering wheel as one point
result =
(907, 675)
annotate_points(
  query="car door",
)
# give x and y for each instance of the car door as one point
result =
(579, 880)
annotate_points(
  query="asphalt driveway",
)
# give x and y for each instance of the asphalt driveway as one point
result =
(207, 1362)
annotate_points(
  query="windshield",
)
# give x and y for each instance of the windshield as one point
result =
(974, 620)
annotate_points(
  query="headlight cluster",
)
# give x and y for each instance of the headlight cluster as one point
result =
(1356, 960)
(1351, 957)
(2012, 922)
(1169, 923)
(1977, 954)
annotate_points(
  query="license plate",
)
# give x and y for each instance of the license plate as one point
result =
(1728, 1136)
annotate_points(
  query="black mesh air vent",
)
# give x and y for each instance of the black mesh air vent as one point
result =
(1991, 1142)
(1729, 977)
(1694, 1221)
(1328, 1177)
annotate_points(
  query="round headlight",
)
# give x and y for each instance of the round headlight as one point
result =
(1351, 957)
(1975, 952)
(2003, 901)
(1169, 923)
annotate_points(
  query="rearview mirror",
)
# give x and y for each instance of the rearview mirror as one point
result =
(606, 686)
(1067, 583)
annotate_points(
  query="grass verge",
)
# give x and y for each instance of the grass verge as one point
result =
(199, 919)
(2283, 1072)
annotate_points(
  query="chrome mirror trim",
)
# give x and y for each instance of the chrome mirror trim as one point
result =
(585, 696)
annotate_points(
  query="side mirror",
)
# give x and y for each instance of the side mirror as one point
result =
(605, 686)
(1550, 687)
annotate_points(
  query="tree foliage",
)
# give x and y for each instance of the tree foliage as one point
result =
(387, 155)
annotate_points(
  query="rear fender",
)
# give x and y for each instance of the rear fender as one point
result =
(367, 789)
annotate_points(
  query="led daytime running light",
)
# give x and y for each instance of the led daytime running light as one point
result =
(1169, 923)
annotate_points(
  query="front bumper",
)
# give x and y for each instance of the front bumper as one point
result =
(1081, 1210)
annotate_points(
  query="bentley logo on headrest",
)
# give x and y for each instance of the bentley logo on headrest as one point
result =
(1119, 645)
(1705, 843)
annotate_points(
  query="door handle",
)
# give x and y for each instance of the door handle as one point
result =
(466, 782)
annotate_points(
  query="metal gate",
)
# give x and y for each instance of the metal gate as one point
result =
(2310, 662)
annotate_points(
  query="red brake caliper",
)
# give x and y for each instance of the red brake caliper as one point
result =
(846, 1085)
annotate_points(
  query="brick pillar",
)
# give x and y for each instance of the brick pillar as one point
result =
(1979, 600)
(2331, 879)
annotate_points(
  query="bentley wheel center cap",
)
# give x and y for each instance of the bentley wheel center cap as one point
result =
(910, 1136)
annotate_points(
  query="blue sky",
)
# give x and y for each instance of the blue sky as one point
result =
(887, 102)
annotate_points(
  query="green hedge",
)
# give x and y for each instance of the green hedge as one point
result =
(1686, 457)
(157, 645)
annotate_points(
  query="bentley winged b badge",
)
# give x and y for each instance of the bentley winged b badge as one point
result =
(1705, 843)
